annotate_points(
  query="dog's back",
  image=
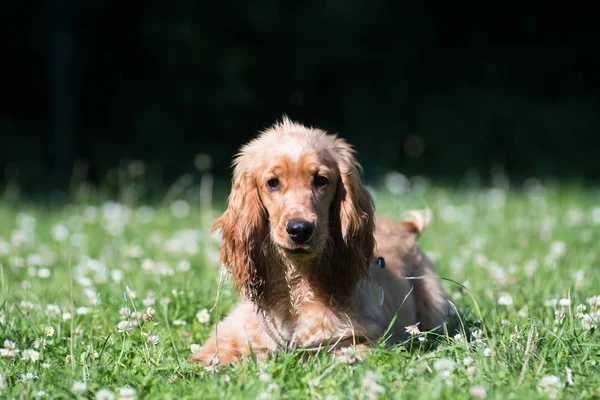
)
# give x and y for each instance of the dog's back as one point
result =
(401, 280)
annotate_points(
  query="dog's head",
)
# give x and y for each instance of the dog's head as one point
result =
(297, 195)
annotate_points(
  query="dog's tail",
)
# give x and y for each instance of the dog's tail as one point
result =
(415, 221)
(432, 302)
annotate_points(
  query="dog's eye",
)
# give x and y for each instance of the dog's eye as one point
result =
(320, 181)
(273, 183)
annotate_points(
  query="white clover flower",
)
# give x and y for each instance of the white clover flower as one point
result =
(8, 353)
(66, 316)
(413, 329)
(550, 385)
(124, 327)
(559, 316)
(487, 352)
(105, 394)
(588, 323)
(180, 208)
(564, 302)
(203, 316)
(46, 365)
(574, 216)
(43, 273)
(85, 281)
(149, 301)
(126, 393)
(27, 306)
(52, 310)
(580, 310)
(153, 339)
(471, 370)
(195, 348)
(144, 214)
(9, 344)
(83, 310)
(593, 301)
(478, 392)
(467, 361)
(79, 387)
(396, 182)
(184, 266)
(551, 303)
(558, 249)
(60, 233)
(370, 387)
(124, 312)
(18, 238)
(348, 355)
(26, 221)
(135, 318)
(505, 300)
(148, 264)
(444, 366)
(150, 314)
(595, 214)
(264, 376)
(116, 275)
(4, 248)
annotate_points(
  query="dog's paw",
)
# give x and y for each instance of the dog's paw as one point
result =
(205, 357)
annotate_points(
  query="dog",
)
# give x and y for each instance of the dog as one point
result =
(313, 267)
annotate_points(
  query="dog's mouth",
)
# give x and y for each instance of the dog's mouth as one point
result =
(297, 250)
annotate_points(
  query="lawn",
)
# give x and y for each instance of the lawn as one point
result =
(77, 281)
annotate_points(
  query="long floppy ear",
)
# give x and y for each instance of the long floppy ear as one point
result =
(354, 219)
(244, 228)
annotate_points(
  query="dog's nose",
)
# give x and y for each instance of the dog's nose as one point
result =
(300, 231)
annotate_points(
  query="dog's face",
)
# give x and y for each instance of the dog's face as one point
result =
(297, 191)
(297, 195)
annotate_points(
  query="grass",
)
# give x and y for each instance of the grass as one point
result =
(516, 265)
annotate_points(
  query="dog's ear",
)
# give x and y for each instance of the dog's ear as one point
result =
(353, 217)
(244, 229)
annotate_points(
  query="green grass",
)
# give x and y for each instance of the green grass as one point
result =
(505, 254)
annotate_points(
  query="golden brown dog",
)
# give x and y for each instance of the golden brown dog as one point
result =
(300, 240)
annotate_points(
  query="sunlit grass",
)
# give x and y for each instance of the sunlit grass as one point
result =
(517, 265)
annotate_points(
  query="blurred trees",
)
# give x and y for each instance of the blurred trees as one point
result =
(423, 88)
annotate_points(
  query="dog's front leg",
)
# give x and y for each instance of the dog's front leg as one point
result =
(231, 339)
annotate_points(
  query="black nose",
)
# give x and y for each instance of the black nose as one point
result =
(300, 231)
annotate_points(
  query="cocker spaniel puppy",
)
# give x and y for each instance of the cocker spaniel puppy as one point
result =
(313, 268)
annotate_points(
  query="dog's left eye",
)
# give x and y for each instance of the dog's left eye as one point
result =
(273, 183)
(320, 181)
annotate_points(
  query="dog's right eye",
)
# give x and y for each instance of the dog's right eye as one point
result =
(273, 183)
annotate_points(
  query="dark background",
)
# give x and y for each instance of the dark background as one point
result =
(431, 88)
